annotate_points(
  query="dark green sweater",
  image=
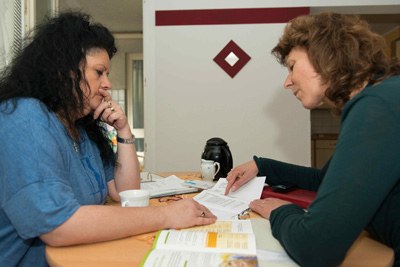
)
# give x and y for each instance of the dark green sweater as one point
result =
(358, 188)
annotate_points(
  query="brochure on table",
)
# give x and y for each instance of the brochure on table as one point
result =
(219, 244)
(229, 206)
(245, 242)
(159, 186)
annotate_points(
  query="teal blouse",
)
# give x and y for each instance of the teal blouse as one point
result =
(357, 189)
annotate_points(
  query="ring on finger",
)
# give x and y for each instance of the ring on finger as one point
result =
(112, 109)
(202, 214)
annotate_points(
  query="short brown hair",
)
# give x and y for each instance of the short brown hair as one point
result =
(342, 49)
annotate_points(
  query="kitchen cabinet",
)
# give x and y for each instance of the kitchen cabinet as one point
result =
(393, 40)
(323, 146)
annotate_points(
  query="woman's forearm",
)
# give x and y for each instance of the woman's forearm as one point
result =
(127, 168)
(100, 223)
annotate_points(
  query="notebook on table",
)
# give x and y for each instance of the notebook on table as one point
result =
(300, 197)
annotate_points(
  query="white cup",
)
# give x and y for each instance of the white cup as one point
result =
(209, 169)
(134, 198)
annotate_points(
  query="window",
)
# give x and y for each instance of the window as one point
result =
(135, 99)
(11, 30)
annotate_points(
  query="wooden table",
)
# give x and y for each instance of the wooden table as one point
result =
(128, 252)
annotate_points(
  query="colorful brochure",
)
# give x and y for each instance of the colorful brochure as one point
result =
(224, 243)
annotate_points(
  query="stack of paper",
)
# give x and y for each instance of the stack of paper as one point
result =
(168, 186)
(228, 207)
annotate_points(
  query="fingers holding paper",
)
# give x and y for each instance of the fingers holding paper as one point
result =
(191, 213)
(240, 175)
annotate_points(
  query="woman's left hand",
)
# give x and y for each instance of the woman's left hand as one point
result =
(111, 113)
(265, 206)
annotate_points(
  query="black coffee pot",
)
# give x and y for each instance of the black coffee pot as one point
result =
(217, 149)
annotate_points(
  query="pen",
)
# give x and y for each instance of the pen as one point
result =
(244, 214)
(146, 181)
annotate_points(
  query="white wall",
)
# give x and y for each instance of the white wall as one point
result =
(189, 98)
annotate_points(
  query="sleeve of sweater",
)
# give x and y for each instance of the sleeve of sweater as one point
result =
(360, 176)
(277, 172)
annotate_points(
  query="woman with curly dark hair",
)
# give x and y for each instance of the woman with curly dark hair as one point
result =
(57, 166)
(336, 59)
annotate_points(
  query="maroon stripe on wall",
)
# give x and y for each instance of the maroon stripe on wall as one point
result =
(228, 16)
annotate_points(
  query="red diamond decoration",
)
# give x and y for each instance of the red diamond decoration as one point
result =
(232, 59)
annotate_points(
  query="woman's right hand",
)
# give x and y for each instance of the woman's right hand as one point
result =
(240, 175)
(187, 213)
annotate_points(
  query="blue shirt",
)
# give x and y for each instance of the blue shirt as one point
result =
(43, 181)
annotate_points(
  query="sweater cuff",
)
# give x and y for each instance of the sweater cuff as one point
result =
(262, 165)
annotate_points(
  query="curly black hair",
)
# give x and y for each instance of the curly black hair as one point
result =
(48, 69)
